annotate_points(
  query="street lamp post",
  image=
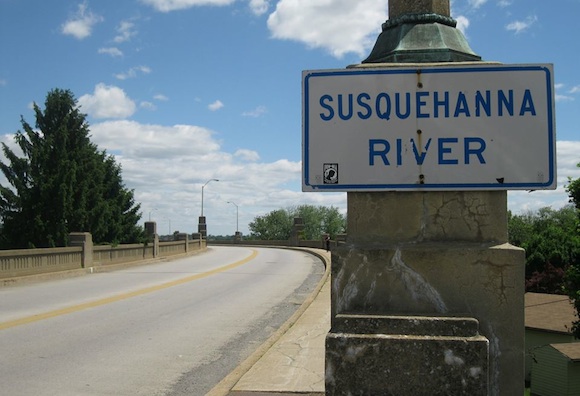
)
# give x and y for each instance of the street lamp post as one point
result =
(237, 216)
(202, 226)
(202, 187)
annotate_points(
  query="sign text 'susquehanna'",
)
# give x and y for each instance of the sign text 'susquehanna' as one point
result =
(387, 105)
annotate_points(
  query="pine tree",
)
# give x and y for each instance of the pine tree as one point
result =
(63, 183)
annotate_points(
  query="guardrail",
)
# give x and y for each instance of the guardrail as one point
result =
(24, 262)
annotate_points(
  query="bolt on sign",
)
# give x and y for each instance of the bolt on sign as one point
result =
(467, 127)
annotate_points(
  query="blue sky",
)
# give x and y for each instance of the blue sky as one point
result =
(184, 91)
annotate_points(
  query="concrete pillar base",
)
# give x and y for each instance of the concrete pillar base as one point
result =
(406, 356)
(437, 279)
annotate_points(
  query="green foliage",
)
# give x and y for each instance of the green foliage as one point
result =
(548, 236)
(63, 183)
(276, 225)
(572, 288)
(572, 278)
(318, 220)
(552, 243)
(573, 189)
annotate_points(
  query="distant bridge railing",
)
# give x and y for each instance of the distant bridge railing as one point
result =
(82, 254)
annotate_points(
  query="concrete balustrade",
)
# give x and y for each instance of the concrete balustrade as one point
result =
(24, 262)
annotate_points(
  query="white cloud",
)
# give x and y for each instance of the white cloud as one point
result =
(568, 157)
(107, 102)
(81, 24)
(174, 5)
(476, 3)
(247, 155)
(148, 105)
(259, 7)
(257, 112)
(161, 97)
(575, 90)
(113, 51)
(339, 26)
(167, 165)
(564, 98)
(133, 72)
(462, 24)
(126, 32)
(521, 26)
(215, 106)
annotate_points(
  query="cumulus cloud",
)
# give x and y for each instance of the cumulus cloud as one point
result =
(462, 24)
(161, 97)
(339, 26)
(567, 154)
(107, 102)
(215, 106)
(521, 26)
(113, 51)
(174, 5)
(167, 165)
(80, 25)
(247, 155)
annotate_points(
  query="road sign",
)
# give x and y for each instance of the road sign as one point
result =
(450, 127)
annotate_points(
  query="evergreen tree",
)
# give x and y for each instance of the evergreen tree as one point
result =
(63, 183)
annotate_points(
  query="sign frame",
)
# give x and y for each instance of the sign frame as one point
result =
(328, 177)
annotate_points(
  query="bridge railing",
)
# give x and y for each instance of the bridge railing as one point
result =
(24, 262)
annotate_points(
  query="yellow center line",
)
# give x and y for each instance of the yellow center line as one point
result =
(123, 296)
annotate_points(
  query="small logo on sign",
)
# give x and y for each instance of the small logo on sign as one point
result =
(330, 173)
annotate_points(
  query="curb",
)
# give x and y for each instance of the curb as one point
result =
(224, 387)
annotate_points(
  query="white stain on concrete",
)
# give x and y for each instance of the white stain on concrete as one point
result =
(416, 285)
(451, 359)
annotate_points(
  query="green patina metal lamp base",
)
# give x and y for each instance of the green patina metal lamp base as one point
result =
(421, 38)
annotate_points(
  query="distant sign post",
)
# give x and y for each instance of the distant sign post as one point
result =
(474, 127)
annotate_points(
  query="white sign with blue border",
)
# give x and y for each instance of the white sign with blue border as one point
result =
(449, 127)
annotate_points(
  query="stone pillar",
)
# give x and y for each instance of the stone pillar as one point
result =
(202, 227)
(85, 240)
(297, 230)
(437, 255)
(238, 237)
(427, 295)
(152, 236)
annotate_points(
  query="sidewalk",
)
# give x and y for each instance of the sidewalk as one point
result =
(294, 363)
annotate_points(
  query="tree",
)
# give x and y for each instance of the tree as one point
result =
(572, 277)
(573, 189)
(318, 220)
(274, 226)
(63, 183)
(548, 236)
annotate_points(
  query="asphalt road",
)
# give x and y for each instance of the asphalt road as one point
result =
(173, 328)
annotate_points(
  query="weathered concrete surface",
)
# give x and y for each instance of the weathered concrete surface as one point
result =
(406, 355)
(454, 216)
(482, 281)
(440, 7)
(406, 365)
